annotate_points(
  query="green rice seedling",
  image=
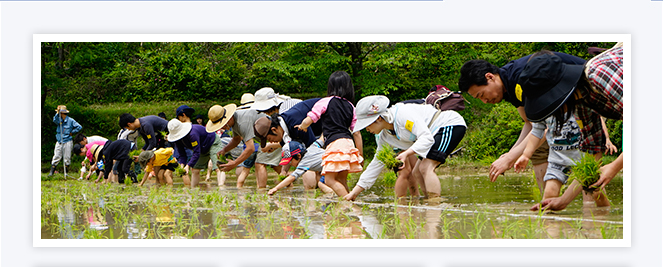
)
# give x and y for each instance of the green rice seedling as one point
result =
(179, 171)
(609, 231)
(134, 153)
(478, 224)
(387, 156)
(536, 191)
(389, 179)
(586, 171)
(447, 224)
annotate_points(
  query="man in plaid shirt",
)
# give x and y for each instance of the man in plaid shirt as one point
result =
(603, 95)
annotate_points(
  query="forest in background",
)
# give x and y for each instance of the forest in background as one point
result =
(99, 81)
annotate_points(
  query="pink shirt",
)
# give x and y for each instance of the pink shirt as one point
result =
(88, 153)
(320, 108)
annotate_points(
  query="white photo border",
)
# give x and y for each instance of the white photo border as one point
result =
(36, 153)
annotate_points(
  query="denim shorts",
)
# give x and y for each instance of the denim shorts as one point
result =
(248, 163)
(557, 172)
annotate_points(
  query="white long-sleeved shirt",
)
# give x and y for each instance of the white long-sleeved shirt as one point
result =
(411, 128)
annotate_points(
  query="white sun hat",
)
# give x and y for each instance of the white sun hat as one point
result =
(177, 129)
(265, 99)
(369, 109)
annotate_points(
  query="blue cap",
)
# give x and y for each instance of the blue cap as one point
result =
(290, 149)
(184, 109)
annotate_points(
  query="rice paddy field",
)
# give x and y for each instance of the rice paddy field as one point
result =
(471, 207)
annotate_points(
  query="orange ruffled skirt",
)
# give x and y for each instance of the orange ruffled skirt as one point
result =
(342, 155)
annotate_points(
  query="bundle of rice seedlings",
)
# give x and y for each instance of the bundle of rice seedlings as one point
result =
(179, 171)
(387, 156)
(586, 171)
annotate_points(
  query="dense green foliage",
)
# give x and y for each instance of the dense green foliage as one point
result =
(99, 81)
(494, 133)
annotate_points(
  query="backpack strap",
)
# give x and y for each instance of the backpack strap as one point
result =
(434, 118)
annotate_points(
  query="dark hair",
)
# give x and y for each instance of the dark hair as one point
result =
(162, 115)
(340, 84)
(77, 148)
(188, 113)
(272, 109)
(298, 156)
(199, 117)
(125, 119)
(79, 137)
(274, 119)
(561, 116)
(473, 72)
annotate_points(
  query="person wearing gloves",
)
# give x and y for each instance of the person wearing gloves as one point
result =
(419, 130)
(66, 127)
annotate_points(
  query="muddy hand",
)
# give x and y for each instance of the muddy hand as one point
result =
(555, 203)
(227, 167)
(499, 167)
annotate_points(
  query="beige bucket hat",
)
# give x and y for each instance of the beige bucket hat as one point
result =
(219, 116)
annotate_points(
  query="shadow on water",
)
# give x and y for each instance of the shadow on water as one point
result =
(471, 207)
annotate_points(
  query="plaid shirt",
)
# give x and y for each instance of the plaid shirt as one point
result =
(604, 74)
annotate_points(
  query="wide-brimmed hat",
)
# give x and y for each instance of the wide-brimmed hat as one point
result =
(246, 101)
(290, 149)
(95, 151)
(184, 109)
(369, 109)
(177, 130)
(265, 99)
(546, 83)
(261, 128)
(219, 116)
(62, 109)
(145, 157)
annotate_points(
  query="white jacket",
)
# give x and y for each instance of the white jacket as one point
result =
(411, 125)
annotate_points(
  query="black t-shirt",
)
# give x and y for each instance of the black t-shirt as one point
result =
(336, 120)
(510, 73)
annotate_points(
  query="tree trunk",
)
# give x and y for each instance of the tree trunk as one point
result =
(357, 65)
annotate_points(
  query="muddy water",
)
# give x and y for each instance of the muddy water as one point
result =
(470, 207)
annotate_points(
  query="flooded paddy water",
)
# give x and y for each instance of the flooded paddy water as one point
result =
(471, 207)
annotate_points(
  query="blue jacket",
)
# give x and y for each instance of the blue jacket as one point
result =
(70, 127)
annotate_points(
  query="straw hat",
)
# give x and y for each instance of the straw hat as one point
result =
(219, 116)
(95, 151)
(62, 109)
(177, 129)
(246, 101)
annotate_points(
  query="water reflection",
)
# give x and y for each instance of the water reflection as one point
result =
(469, 208)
